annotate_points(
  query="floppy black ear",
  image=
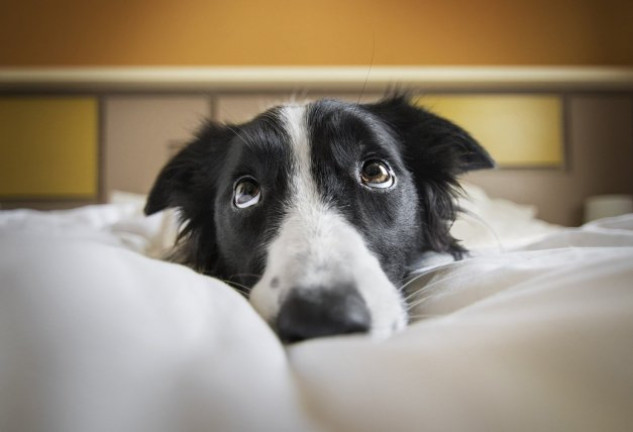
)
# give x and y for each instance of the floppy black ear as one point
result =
(435, 151)
(191, 172)
(427, 134)
(189, 182)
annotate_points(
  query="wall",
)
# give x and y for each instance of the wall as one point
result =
(323, 32)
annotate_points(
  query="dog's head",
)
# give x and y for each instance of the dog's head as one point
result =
(319, 209)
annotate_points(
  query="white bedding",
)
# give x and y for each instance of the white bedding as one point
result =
(97, 336)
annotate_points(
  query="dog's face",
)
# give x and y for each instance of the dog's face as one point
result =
(318, 210)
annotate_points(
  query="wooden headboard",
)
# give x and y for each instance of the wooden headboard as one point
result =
(143, 115)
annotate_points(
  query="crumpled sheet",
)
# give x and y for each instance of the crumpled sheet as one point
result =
(97, 337)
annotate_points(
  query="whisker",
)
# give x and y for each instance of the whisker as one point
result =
(425, 316)
(418, 303)
(249, 275)
(425, 289)
(420, 291)
(242, 289)
(431, 284)
(416, 277)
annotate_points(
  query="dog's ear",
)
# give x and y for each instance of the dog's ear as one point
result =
(189, 182)
(431, 138)
(191, 172)
(435, 151)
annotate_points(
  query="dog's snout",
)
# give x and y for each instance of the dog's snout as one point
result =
(316, 311)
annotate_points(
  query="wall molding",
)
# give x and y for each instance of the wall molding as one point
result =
(330, 78)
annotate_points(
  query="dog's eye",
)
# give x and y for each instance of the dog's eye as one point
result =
(246, 193)
(377, 174)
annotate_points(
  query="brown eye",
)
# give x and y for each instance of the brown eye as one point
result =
(377, 174)
(246, 193)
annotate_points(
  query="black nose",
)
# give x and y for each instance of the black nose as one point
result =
(314, 312)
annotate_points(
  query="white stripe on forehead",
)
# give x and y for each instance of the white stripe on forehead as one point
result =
(294, 120)
(304, 190)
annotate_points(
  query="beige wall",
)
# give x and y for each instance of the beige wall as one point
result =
(139, 133)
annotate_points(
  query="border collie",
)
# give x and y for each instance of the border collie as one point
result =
(317, 211)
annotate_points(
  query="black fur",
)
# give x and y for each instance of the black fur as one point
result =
(436, 151)
(426, 153)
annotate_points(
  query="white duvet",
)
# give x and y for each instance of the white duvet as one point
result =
(97, 336)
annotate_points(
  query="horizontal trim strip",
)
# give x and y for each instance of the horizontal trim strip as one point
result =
(278, 78)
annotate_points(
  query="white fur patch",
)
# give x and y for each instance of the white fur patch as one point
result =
(317, 247)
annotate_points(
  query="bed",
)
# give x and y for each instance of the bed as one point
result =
(533, 332)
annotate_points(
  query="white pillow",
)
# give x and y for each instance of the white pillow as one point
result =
(492, 223)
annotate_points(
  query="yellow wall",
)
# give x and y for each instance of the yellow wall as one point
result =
(316, 32)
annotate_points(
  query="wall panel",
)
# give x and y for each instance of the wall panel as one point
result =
(48, 147)
(519, 130)
(141, 132)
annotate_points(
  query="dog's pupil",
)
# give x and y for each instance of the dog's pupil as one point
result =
(245, 192)
(376, 172)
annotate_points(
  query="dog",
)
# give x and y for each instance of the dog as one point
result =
(317, 211)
